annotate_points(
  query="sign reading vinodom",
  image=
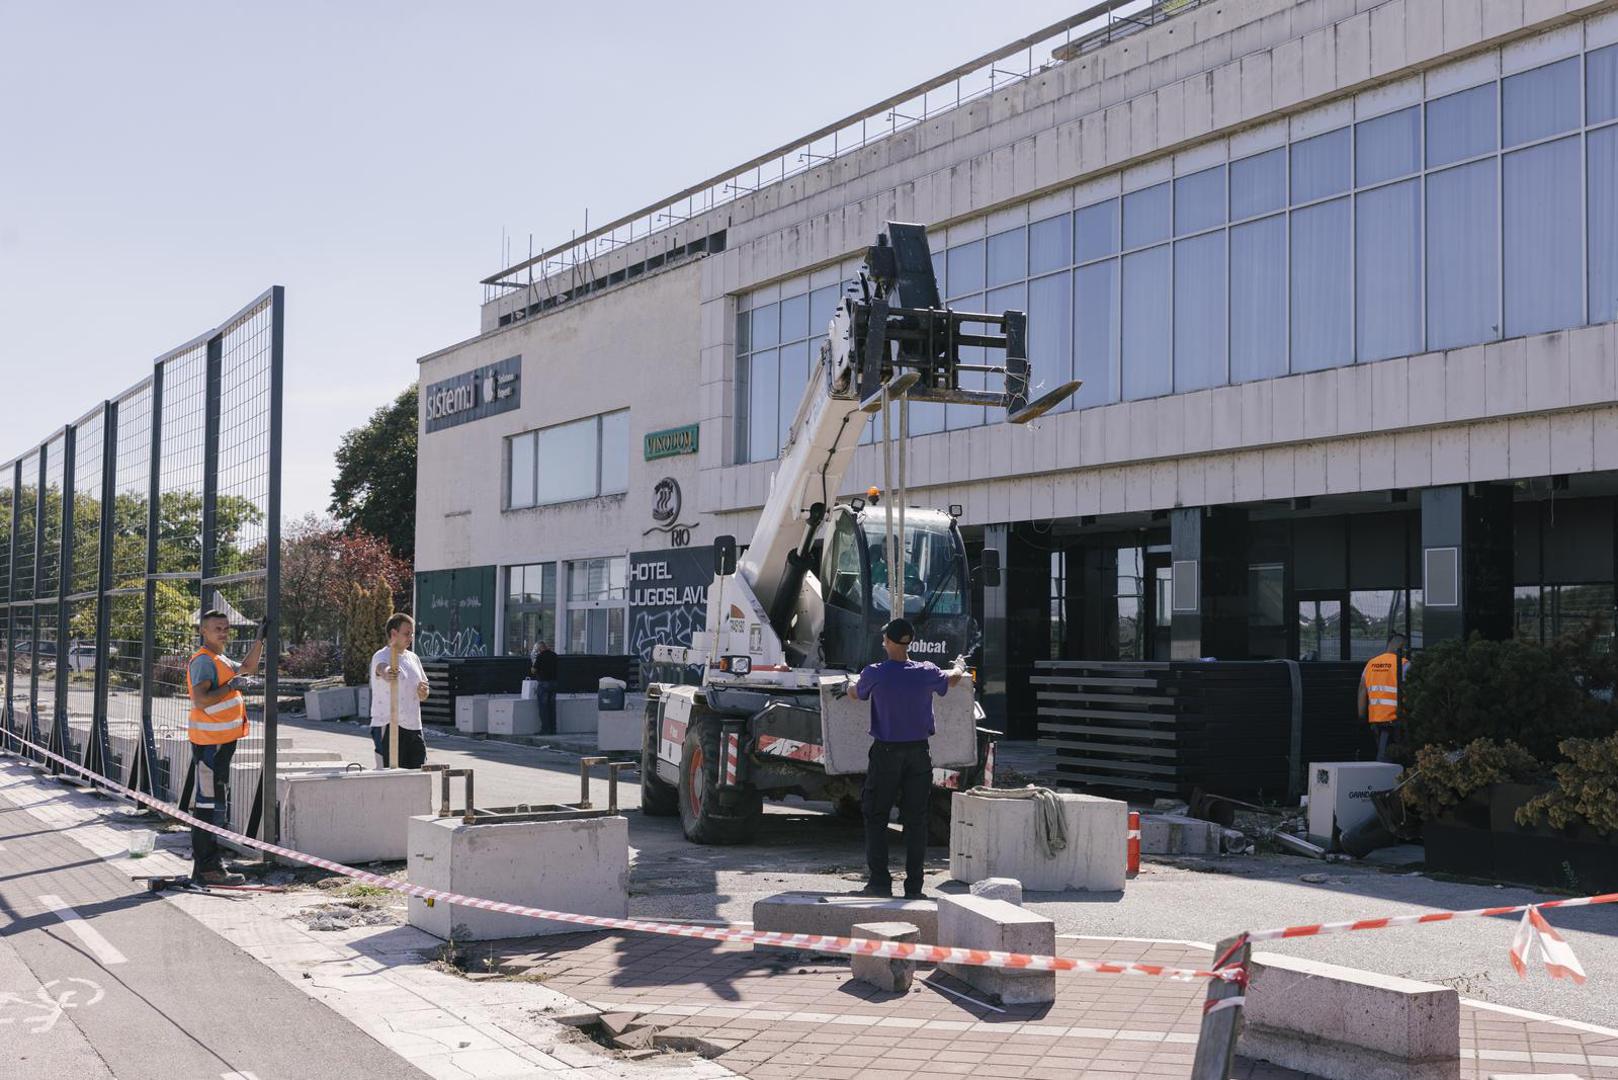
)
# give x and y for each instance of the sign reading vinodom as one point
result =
(671, 442)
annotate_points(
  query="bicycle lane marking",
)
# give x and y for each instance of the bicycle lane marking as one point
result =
(88, 935)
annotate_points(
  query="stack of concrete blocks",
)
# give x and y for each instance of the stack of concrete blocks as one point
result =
(352, 817)
(336, 703)
(975, 922)
(513, 714)
(1344, 1024)
(1175, 834)
(580, 866)
(576, 714)
(472, 714)
(814, 913)
(889, 974)
(998, 837)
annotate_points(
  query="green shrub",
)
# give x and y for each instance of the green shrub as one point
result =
(365, 629)
(1443, 778)
(1506, 691)
(1586, 788)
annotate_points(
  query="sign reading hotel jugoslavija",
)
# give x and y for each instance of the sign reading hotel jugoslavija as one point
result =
(485, 391)
(671, 442)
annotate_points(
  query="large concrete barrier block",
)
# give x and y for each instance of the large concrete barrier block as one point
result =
(337, 703)
(510, 715)
(352, 817)
(619, 730)
(816, 913)
(996, 837)
(1173, 834)
(576, 714)
(472, 714)
(362, 702)
(889, 974)
(974, 922)
(1344, 1024)
(579, 866)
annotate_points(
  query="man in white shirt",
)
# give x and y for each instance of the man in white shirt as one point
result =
(411, 682)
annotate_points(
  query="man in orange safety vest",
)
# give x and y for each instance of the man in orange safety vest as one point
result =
(218, 718)
(1379, 690)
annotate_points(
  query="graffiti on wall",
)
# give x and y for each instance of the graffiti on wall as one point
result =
(455, 611)
(668, 597)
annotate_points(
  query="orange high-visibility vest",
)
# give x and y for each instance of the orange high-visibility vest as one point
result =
(223, 721)
(1381, 679)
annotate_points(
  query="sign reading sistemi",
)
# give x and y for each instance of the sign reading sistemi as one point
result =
(485, 391)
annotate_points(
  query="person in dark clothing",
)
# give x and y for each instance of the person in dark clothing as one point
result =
(900, 769)
(544, 671)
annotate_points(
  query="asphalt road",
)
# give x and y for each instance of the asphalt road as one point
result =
(803, 846)
(100, 978)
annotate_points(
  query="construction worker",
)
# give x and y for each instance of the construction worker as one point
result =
(218, 718)
(1379, 690)
(411, 681)
(900, 769)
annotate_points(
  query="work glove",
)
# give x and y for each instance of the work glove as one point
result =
(839, 688)
(264, 628)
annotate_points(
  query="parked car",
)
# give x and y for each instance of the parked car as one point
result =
(83, 657)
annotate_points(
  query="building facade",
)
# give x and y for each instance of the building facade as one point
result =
(1340, 278)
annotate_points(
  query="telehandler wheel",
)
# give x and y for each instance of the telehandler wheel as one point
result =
(705, 821)
(657, 799)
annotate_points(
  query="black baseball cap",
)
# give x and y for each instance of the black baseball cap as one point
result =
(899, 631)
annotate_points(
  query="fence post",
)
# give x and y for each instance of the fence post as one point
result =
(97, 751)
(272, 570)
(64, 585)
(7, 712)
(33, 597)
(1222, 1013)
(142, 772)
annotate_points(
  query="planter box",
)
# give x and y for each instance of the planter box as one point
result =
(1481, 838)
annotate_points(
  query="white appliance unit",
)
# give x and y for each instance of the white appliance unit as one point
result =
(1340, 796)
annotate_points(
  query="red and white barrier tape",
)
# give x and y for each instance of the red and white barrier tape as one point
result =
(1314, 929)
(928, 954)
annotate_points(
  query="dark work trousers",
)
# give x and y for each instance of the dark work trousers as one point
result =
(898, 772)
(212, 803)
(412, 748)
(546, 694)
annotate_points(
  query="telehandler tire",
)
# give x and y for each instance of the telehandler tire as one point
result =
(705, 821)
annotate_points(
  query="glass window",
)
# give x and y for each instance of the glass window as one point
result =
(530, 607)
(1462, 256)
(965, 265)
(566, 462)
(1320, 630)
(1387, 146)
(596, 632)
(763, 390)
(1146, 216)
(744, 325)
(1544, 247)
(1462, 125)
(1010, 298)
(1199, 201)
(766, 328)
(601, 579)
(1373, 614)
(1008, 256)
(1148, 360)
(1050, 244)
(1199, 312)
(1601, 84)
(615, 452)
(1320, 166)
(1096, 332)
(794, 318)
(1258, 184)
(1525, 607)
(1322, 327)
(1387, 269)
(1050, 332)
(1603, 192)
(1095, 231)
(1258, 299)
(521, 492)
(1541, 102)
(822, 306)
(794, 379)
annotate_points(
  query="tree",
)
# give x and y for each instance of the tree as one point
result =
(319, 562)
(375, 488)
(365, 620)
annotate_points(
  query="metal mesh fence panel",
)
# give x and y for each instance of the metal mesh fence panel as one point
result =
(119, 532)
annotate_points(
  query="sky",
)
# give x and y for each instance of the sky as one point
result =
(162, 163)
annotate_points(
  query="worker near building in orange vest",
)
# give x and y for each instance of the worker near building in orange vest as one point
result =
(218, 718)
(1379, 690)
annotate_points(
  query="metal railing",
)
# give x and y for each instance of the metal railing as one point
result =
(1096, 26)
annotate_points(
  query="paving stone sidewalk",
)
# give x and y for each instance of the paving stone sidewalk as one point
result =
(778, 1015)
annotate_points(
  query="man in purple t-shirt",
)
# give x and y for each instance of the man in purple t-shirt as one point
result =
(900, 691)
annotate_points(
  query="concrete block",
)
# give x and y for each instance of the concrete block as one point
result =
(1345, 1024)
(999, 888)
(352, 817)
(472, 714)
(580, 867)
(1174, 834)
(335, 704)
(575, 714)
(973, 922)
(512, 715)
(889, 974)
(816, 913)
(362, 702)
(995, 837)
(620, 729)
